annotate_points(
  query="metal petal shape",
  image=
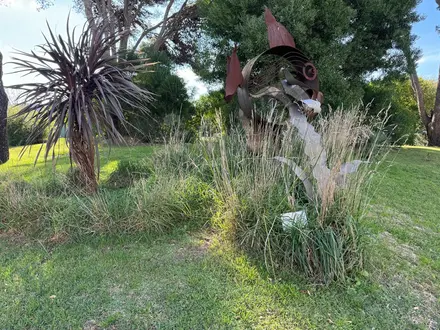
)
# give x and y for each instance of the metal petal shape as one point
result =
(276, 32)
(234, 77)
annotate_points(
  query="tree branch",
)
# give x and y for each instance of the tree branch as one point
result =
(165, 17)
(145, 32)
(415, 83)
(437, 97)
(88, 9)
(163, 23)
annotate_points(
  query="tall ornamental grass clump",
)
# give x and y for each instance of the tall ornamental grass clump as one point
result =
(254, 188)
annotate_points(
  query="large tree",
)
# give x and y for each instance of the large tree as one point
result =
(429, 116)
(4, 148)
(173, 31)
(347, 39)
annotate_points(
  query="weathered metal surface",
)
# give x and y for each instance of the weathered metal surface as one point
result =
(298, 64)
(233, 77)
(276, 32)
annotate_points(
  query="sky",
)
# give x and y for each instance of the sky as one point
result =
(428, 39)
(21, 27)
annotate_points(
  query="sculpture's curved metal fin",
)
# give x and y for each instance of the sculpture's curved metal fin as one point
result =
(234, 77)
(276, 32)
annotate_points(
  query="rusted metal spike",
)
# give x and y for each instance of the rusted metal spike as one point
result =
(234, 77)
(276, 32)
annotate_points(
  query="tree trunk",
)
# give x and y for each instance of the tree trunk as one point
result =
(433, 132)
(124, 45)
(433, 128)
(83, 155)
(126, 27)
(160, 37)
(432, 122)
(415, 84)
(88, 8)
(4, 147)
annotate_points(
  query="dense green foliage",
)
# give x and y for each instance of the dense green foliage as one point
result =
(346, 39)
(170, 95)
(20, 130)
(397, 96)
(207, 108)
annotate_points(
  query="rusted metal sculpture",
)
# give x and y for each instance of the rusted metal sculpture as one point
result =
(234, 78)
(276, 32)
(283, 73)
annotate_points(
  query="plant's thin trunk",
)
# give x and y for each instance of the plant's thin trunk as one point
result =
(83, 154)
(124, 45)
(4, 147)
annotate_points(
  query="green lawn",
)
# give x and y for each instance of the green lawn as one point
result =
(20, 166)
(188, 280)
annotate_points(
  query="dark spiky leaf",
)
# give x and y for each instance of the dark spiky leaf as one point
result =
(85, 87)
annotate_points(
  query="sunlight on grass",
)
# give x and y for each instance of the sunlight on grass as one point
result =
(21, 166)
(107, 169)
(422, 148)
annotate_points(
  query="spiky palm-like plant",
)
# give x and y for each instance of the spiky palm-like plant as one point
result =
(85, 88)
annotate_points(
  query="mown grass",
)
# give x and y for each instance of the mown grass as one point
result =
(405, 226)
(21, 166)
(190, 279)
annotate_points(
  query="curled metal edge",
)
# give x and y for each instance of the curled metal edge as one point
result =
(282, 51)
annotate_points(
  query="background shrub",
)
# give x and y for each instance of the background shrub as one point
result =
(171, 98)
(396, 95)
(19, 130)
(207, 107)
